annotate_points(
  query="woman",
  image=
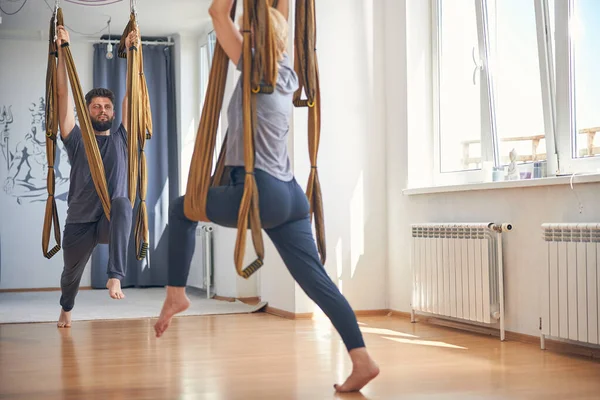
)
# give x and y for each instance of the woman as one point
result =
(284, 208)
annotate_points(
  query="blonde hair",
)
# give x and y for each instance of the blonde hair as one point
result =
(279, 27)
(280, 31)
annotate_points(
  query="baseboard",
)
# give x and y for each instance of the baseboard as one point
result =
(463, 326)
(247, 300)
(551, 344)
(399, 314)
(559, 346)
(371, 313)
(287, 314)
(250, 300)
(46, 289)
(290, 315)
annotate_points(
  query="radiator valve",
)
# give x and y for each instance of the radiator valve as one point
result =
(500, 227)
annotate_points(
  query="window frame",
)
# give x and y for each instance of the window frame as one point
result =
(565, 81)
(556, 76)
(205, 44)
(548, 82)
(487, 152)
(211, 44)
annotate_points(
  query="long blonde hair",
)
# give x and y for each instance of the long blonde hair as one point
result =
(280, 30)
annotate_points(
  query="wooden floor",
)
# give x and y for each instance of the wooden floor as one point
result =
(260, 356)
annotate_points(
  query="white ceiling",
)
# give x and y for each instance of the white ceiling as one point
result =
(155, 17)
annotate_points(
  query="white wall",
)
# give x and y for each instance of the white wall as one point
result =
(351, 156)
(396, 155)
(526, 208)
(187, 64)
(22, 84)
(524, 249)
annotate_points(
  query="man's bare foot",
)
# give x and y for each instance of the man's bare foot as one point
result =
(176, 302)
(114, 288)
(64, 321)
(364, 369)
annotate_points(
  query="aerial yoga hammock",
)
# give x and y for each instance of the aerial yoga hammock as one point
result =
(139, 129)
(51, 114)
(258, 76)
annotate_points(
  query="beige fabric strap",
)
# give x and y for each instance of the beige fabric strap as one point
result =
(307, 68)
(139, 129)
(51, 219)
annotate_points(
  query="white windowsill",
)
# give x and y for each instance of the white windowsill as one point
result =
(550, 181)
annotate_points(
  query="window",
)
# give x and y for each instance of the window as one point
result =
(212, 42)
(460, 104)
(207, 63)
(206, 48)
(578, 82)
(585, 55)
(514, 74)
(207, 51)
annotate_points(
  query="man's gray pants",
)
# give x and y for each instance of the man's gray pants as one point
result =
(79, 241)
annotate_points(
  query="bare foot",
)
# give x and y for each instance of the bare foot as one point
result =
(64, 321)
(176, 302)
(364, 369)
(114, 288)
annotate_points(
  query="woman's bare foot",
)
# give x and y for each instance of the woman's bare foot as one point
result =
(176, 302)
(64, 321)
(364, 369)
(114, 288)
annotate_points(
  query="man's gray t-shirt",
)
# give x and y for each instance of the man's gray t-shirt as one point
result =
(273, 113)
(83, 202)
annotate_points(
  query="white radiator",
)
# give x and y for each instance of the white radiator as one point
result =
(201, 268)
(457, 271)
(570, 284)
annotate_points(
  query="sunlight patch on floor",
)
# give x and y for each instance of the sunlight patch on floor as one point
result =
(389, 332)
(425, 343)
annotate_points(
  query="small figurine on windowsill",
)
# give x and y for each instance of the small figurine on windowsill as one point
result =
(512, 174)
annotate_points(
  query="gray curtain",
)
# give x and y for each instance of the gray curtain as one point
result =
(161, 154)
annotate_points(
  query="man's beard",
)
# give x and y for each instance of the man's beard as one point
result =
(102, 126)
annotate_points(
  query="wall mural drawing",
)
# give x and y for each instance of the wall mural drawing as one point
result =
(6, 118)
(25, 158)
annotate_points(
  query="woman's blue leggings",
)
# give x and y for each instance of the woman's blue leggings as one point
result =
(284, 213)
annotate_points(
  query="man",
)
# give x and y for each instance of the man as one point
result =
(86, 225)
